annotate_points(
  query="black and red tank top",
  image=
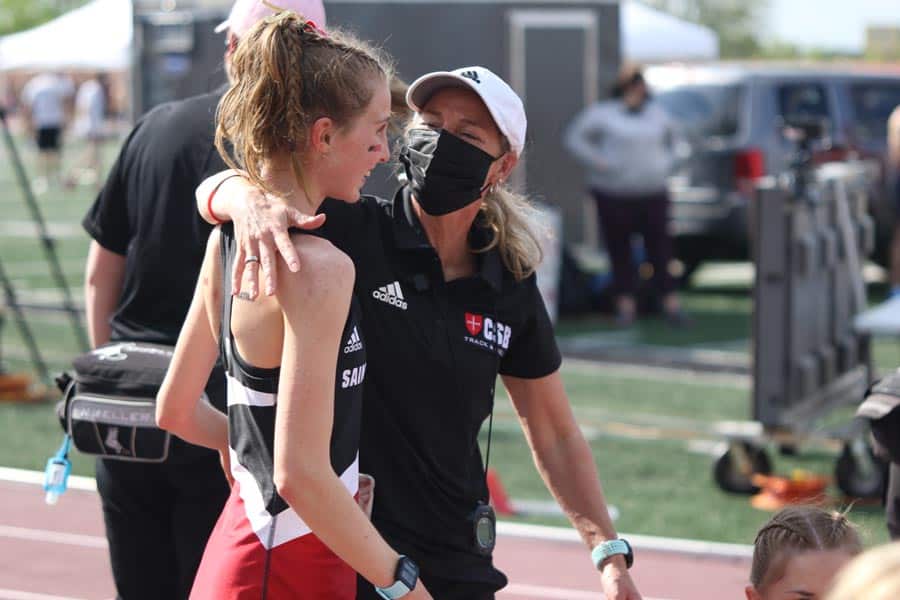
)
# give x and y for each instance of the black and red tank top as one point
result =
(252, 398)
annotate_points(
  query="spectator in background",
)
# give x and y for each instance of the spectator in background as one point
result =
(798, 551)
(45, 97)
(627, 145)
(90, 112)
(873, 575)
(893, 174)
(880, 407)
(147, 249)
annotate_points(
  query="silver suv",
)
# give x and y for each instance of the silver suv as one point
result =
(733, 117)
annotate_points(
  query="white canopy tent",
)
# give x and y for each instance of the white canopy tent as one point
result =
(95, 36)
(651, 36)
(98, 36)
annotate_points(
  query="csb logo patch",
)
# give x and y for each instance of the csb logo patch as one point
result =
(487, 333)
(474, 323)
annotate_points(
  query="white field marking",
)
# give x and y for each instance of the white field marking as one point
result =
(20, 595)
(654, 373)
(707, 447)
(39, 267)
(50, 294)
(642, 542)
(29, 229)
(542, 591)
(53, 537)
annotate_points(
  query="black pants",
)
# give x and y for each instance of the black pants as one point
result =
(158, 518)
(623, 217)
(892, 502)
(440, 589)
(48, 139)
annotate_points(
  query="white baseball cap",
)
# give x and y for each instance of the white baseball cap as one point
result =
(247, 13)
(502, 102)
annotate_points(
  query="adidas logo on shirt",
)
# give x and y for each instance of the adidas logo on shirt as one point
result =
(354, 343)
(392, 294)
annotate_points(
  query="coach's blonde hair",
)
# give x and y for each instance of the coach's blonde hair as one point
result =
(286, 74)
(512, 219)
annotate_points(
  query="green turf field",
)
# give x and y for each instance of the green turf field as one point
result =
(635, 419)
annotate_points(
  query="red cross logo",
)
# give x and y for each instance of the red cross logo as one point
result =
(473, 323)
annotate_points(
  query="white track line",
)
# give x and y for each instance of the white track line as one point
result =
(76, 482)
(504, 528)
(541, 591)
(641, 542)
(52, 537)
(19, 595)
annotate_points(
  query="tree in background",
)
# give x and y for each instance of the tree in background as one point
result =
(16, 15)
(735, 21)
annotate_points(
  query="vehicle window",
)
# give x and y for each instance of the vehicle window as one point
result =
(803, 100)
(704, 110)
(873, 103)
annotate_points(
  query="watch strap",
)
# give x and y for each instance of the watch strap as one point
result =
(610, 548)
(398, 590)
(406, 577)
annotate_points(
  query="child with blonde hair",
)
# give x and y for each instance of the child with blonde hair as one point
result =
(798, 551)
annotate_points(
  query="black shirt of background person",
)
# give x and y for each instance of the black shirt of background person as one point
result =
(140, 213)
(434, 351)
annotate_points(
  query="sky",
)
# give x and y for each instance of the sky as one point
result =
(829, 24)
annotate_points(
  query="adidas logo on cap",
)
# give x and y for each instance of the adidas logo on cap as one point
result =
(391, 294)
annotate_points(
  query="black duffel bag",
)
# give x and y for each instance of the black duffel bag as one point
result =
(109, 407)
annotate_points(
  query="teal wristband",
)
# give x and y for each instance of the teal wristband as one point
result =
(610, 548)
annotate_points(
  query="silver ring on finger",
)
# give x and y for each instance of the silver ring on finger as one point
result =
(251, 259)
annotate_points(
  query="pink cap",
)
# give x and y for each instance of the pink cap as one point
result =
(246, 13)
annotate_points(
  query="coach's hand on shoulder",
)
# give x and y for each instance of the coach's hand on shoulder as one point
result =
(616, 581)
(261, 223)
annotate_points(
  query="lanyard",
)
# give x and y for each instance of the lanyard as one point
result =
(441, 298)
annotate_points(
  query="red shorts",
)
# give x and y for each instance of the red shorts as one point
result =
(234, 565)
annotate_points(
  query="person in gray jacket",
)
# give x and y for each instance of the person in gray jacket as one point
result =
(627, 144)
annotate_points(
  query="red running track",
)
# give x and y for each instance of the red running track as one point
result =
(59, 553)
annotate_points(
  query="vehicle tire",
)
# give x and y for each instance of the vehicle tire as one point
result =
(859, 481)
(732, 476)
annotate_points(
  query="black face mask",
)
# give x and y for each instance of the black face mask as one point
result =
(444, 172)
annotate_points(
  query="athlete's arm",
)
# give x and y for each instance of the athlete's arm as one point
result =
(260, 226)
(315, 302)
(104, 273)
(566, 464)
(179, 407)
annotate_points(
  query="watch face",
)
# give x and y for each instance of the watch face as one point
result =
(484, 532)
(629, 558)
(407, 572)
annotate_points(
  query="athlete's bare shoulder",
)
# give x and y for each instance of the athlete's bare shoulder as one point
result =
(325, 273)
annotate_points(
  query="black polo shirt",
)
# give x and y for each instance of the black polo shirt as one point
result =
(435, 349)
(147, 213)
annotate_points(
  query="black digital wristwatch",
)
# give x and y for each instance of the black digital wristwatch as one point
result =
(405, 578)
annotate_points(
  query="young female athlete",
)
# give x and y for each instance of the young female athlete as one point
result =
(306, 117)
(798, 552)
(445, 279)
